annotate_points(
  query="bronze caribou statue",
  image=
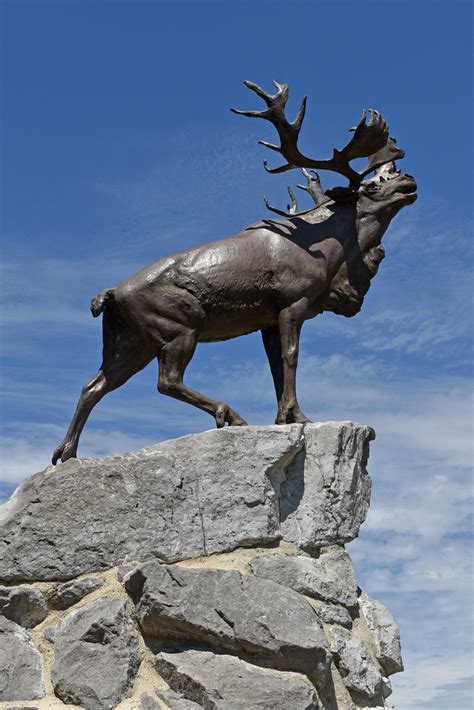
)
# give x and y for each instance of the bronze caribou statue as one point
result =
(271, 276)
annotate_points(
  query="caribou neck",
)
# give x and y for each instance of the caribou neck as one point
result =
(371, 226)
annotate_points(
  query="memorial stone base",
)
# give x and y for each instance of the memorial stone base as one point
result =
(208, 571)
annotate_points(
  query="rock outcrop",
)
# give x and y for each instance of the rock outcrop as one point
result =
(220, 578)
(231, 612)
(95, 655)
(23, 605)
(63, 596)
(189, 497)
(21, 668)
(330, 578)
(228, 683)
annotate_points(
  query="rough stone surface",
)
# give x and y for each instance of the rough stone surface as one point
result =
(21, 668)
(281, 624)
(332, 613)
(331, 577)
(355, 663)
(176, 701)
(50, 633)
(230, 612)
(95, 655)
(227, 683)
(189, 497)
(385, 632)
(65, 595)
(325, 492)
(148, 703)
(123, 570)
(23, 605)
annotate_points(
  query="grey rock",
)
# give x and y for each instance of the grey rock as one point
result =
(193, 496)
(385, 632)
(176, 701)
(325, 491)
(331, 577)
(332, 613)
(21, 668)
(123, 570)
(50, 633)
(230, 612)
(223, 682)
(95, 655)
(65, 595)
(23, 605)
(354, 663)
(148, 703)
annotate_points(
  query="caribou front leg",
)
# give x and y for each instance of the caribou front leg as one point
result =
(289, 325)
(272, 344)
(173, 360)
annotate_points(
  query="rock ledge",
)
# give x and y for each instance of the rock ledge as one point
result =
(188, 497)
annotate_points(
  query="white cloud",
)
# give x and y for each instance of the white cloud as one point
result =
(429, 683)
(25, 454)
(436, 630)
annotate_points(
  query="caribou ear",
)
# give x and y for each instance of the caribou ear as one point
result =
(342, 194)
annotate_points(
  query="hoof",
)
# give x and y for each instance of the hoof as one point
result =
(293, 416)
(220, 416)
(64, 452)
(238, 421)
(300, 418)
(226, 414)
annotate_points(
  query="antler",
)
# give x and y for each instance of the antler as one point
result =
(369, 140)
(291, 209)
(314, 188)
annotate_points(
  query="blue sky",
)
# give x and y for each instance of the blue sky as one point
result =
(118, 148)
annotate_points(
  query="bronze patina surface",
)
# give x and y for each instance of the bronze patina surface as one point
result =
(271, 276)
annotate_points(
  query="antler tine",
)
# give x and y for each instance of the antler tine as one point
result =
(389, 152)
(275, 113)
(368, 138)
(291, 209)
(273, 101)
(294, 205)
(315, 190)
(282, 213)
(313, 187)
(288, 133)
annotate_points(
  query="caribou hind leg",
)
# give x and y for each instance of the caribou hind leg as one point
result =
(282, 346)
(123, 356)
(173, 359)
(108, 378)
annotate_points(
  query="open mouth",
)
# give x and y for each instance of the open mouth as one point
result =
(408, 190)
(408, 187)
